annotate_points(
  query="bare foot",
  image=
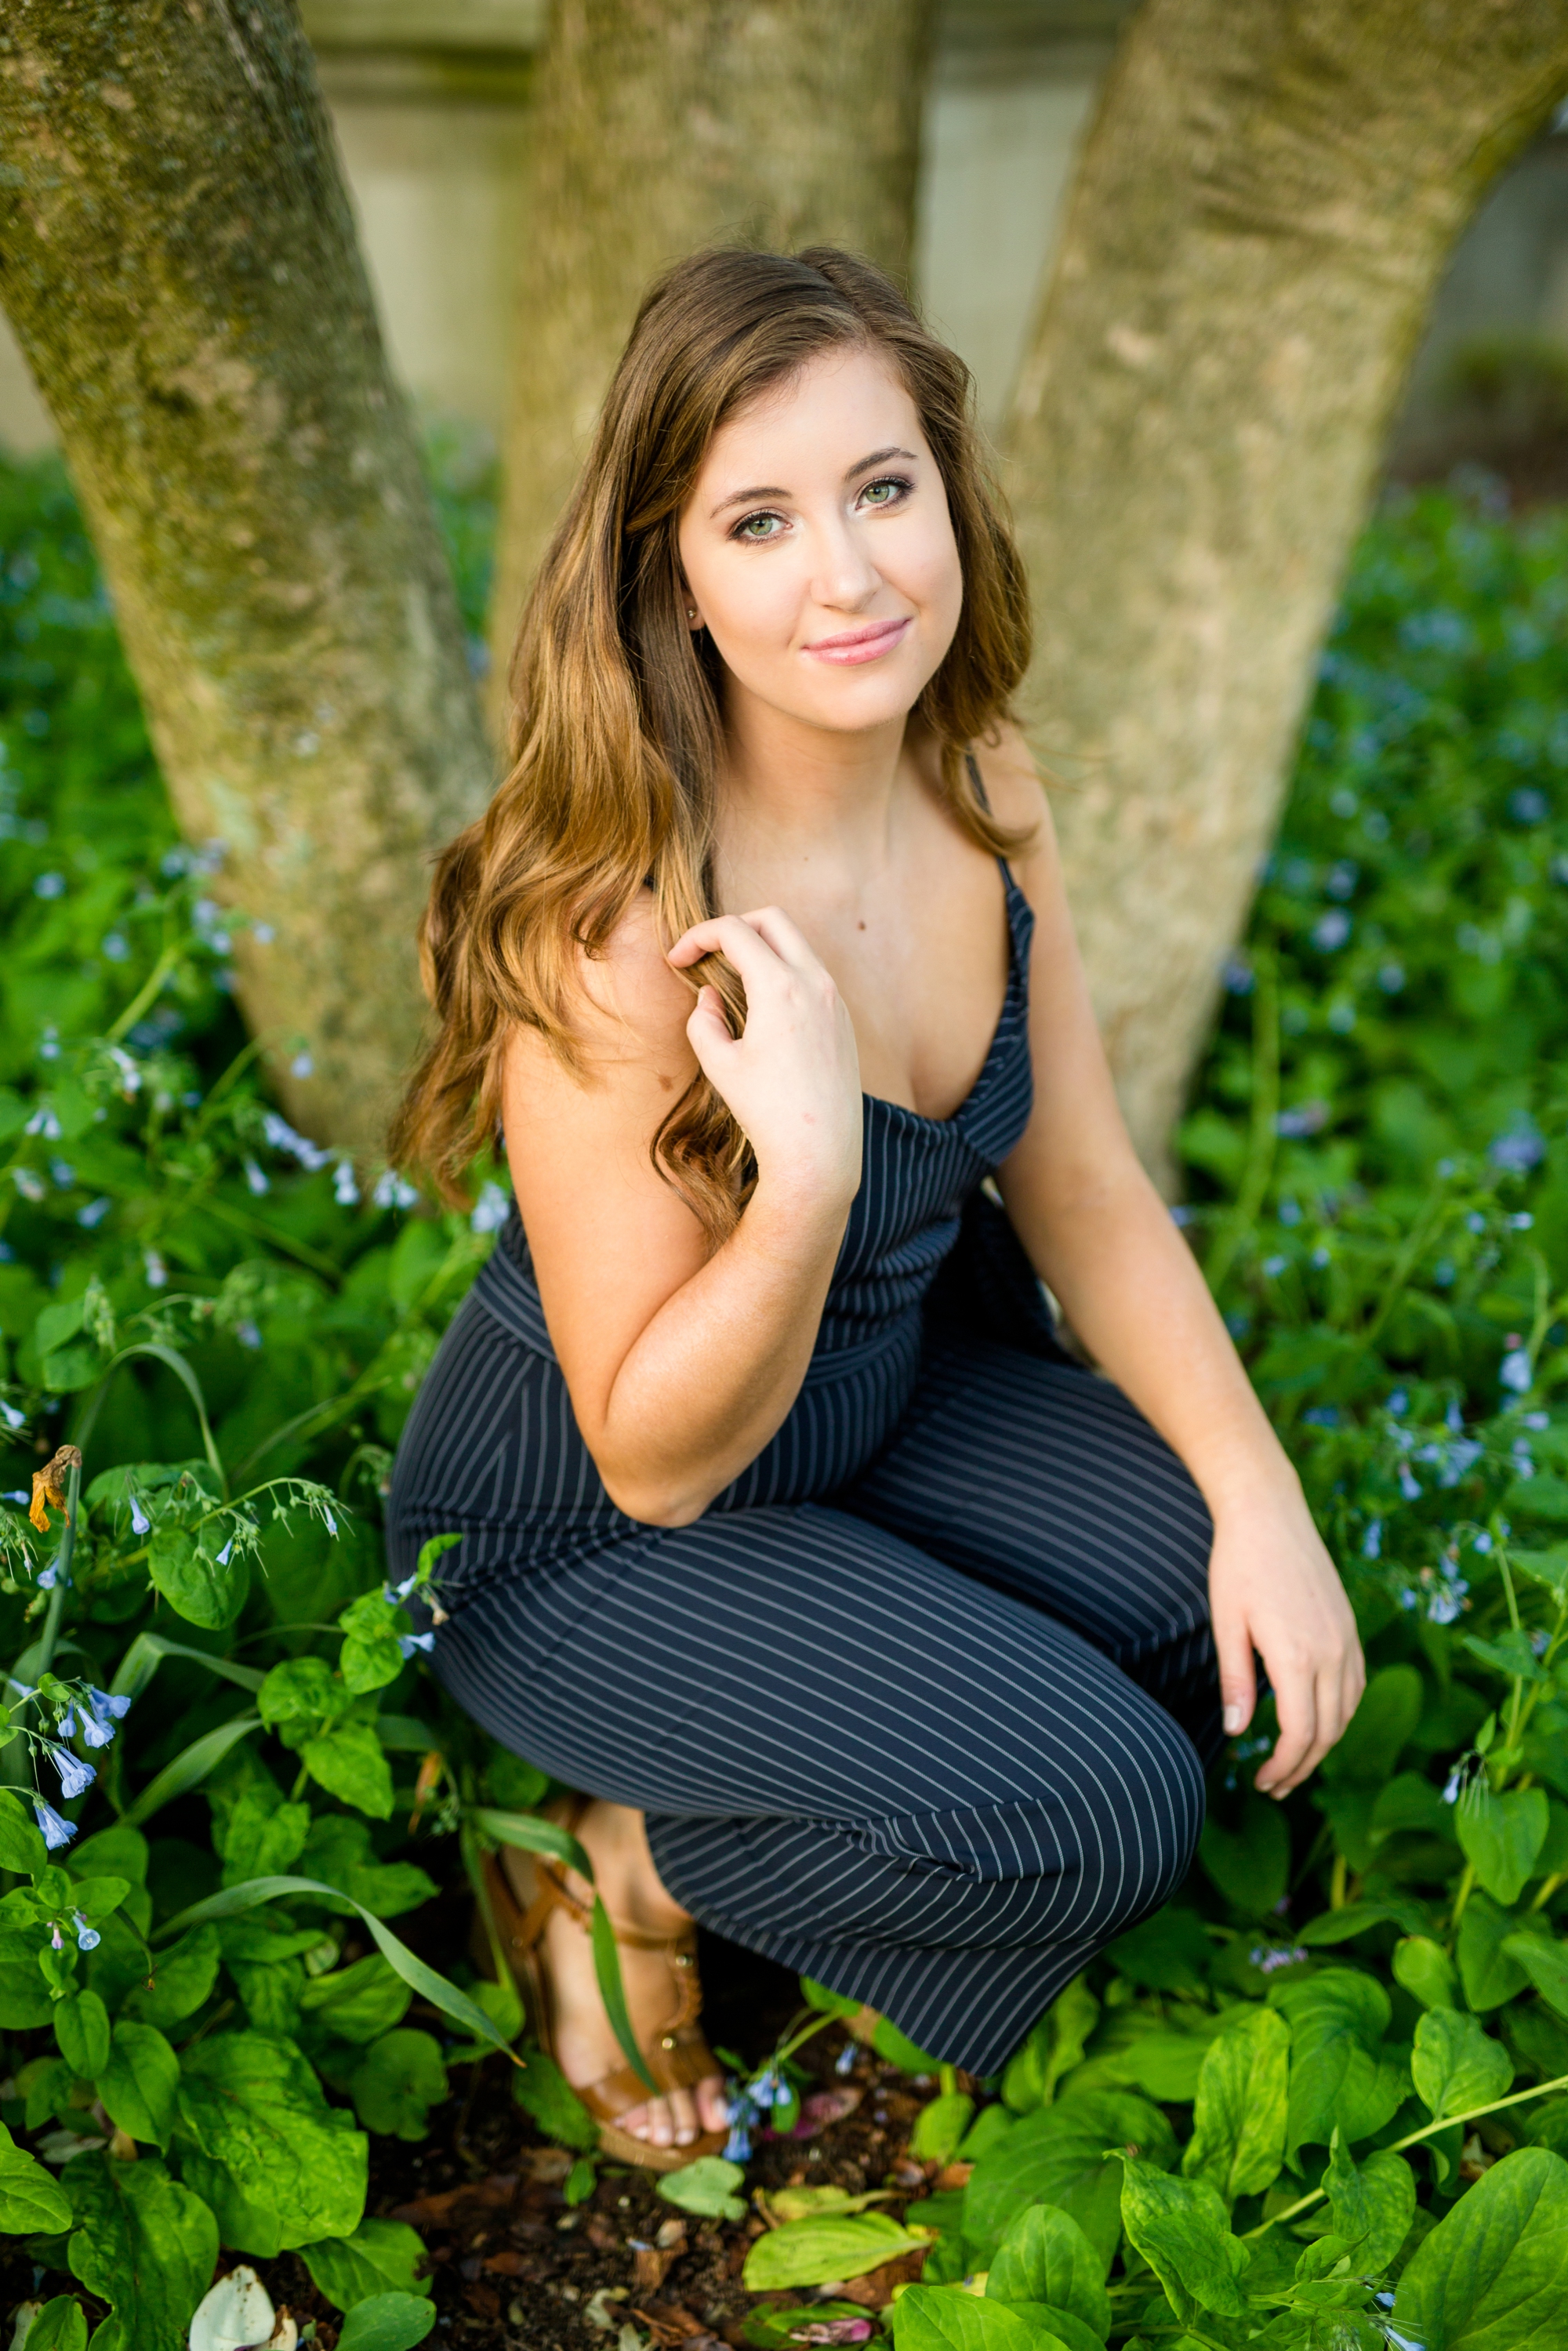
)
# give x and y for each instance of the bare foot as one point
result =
(586, 2047)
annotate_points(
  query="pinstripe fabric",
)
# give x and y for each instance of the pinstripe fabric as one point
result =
(918, 1705)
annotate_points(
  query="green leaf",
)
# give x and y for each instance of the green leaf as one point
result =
(1489, 1974)
(946, 2318)
(148, 1651)
(1251, 1864)
(371, 1656)
(279, 2167)
(298, 1697)
(1169, 1952)
(1549, 1567)
(1051, 2326)
(387, 2322)
(1426, 1971)
(1455, 2064)
(1238, 2141)
(140, 2084)
(339, 1849)
(813, 2252)
(1378, 1731)
(1546, 1965)
(22, 1848)
(350, 1764)
(542, 2090)
(198, 1586)
(1183, 2232)
(706, 2188)
(613, 1993)
(380, 2255)
(261, 1835)
(1046, 2257)
(144, 2242)
(1509, 1654)
(771, 2327)
(58, 2326)
(1343, 1925)
(31, 2203)
(1052, 2048)
(940, 2125)
(183, 1979)
(189, 1768)
(1339, 2071)
(1502, 1836)
(358, 2002)
(1057, 2156)
(24, 1996)
(81, 2028)
(430, 1986)
(1373, 2205)
(1493, 2275)
(398, 2080)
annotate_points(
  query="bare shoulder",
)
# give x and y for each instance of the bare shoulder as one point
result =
(1018, 797)
(630, 1009)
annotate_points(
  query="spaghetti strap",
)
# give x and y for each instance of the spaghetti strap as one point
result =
(976, 778)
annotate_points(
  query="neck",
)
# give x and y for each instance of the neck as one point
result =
(790, 789)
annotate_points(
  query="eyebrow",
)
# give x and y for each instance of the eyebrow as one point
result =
(772, 489)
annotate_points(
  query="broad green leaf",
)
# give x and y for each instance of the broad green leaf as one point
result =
(1052, 2048)
(24, 1996)
(940, 2125)
(1238, 2139)
(279, 2167)
(1169, 1952)
(235, 1899)
(1057, 2156)
(1501, 1836)
(1046, 2257)
(898, 2048)
(397, 2081)
(1456, 2065)
(1371, 1746)
(1165, 2066)
(260, 1835)
(1343, 1925)
(1373, 2205)
(1050, 2325)
(946, 2318)
(1493, 2275)
(986, 2133)
(189, 1768)
(813, 2252)
(183, 1979)
(358, 2002)
(81, 2028)
(140, 2084)
(31, 2203)
(1509, 1654)
(1340, 2073)
(387, 2322)
(1549, 1567)
(350, 1764)
(22, 1848)
(143, 2241)
(197, 1585)
(58, 2326)
(380, 2256)
(1426, 1971)
(1183, 2232)
(339, 1849)
(1410, 1806)
(1489, 1974)
(706, 2188)
(1546, 1965)
(371, 1656)
(542, 2090)
(1251, 1862)
(298, 1697)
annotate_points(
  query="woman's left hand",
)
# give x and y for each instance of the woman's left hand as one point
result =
(1274, 1588)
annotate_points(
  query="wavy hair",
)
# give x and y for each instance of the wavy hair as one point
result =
(616, 723)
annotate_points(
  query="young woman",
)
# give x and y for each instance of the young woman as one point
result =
(880, 1634)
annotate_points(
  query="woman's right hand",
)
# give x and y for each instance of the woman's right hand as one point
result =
(791, 1079)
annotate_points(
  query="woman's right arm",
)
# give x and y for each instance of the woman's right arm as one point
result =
(681, 1363)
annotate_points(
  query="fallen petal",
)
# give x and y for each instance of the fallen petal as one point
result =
(236, 2316)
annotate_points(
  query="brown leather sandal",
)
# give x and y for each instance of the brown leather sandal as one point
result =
(676, 2056)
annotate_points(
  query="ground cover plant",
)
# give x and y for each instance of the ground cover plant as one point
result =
(1321, 2100)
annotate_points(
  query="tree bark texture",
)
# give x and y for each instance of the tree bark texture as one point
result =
(1265, 204)
(178, 259)
(662, 126)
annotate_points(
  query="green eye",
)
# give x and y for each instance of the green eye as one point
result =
(888, 492)
(760, 527)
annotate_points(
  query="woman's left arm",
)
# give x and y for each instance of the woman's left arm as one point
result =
(1098, 1233)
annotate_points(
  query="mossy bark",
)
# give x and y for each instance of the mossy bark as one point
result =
(1264, 206)
(178, 259)
(665, 125)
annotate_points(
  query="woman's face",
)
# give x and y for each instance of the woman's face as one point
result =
(818, 551)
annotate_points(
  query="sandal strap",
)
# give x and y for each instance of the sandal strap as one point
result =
(678, 2059)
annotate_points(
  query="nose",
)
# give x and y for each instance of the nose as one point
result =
(844, 576)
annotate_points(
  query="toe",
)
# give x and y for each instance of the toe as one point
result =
(683, 2118)
(713, 2107)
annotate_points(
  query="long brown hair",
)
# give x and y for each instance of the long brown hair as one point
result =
(616, 709)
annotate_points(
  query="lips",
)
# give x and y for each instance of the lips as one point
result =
(857, 645)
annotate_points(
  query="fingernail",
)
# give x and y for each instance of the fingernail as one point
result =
(1235, 1716)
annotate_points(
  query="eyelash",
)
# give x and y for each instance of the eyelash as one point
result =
(900, 482)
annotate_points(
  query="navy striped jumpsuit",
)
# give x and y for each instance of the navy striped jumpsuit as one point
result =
(918, 1706)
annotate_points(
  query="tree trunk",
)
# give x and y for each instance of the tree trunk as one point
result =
(1265, 204)
(179, 261)
(666, 125)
